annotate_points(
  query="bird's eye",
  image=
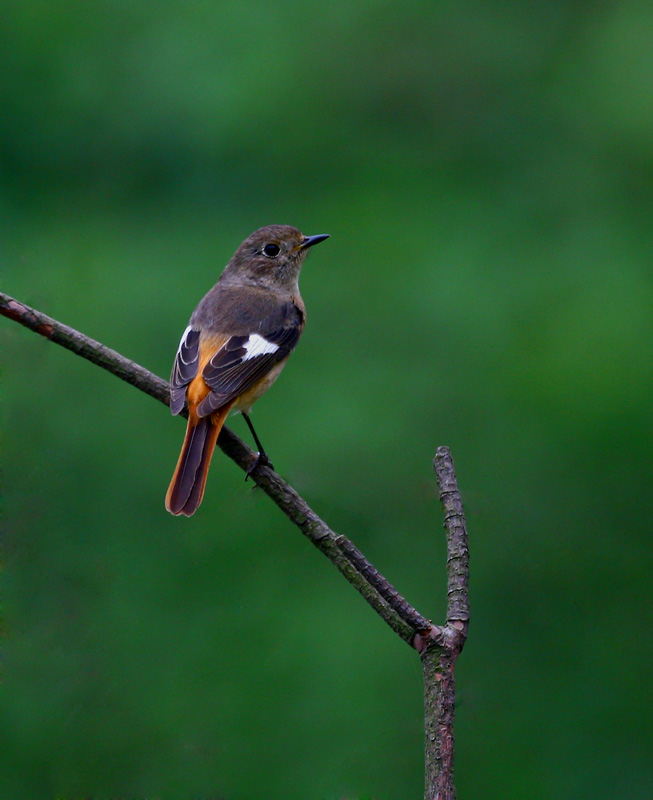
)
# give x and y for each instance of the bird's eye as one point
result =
(271, 250)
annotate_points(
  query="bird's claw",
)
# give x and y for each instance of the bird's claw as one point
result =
(260, 460)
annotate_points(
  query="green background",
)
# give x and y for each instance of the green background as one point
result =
(485, 172)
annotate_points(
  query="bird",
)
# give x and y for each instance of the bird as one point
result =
(237, 342)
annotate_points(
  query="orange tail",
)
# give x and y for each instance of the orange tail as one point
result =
(186, 488)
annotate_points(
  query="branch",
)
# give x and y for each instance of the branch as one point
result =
(438, 647)
(379, 593)
(442, 646)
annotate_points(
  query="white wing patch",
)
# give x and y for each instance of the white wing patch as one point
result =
(258, 346)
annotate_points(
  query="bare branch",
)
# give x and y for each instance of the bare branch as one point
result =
(379, 593)
(438, 647)
(457, 543)
(84, 346)
(442, 646)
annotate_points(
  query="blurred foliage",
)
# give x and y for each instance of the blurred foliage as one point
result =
(485, 171)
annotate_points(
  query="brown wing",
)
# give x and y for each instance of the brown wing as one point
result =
(185, 368)
(243, 361)
(238, 364)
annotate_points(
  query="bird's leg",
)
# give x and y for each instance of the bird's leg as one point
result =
(261, 459)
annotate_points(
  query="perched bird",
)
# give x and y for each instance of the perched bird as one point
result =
(236, 344)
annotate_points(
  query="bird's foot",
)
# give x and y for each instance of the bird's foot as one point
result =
(260, 460)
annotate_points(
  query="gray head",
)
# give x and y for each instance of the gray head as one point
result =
(271, 257)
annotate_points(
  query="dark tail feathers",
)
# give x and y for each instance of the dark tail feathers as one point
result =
(189, 479)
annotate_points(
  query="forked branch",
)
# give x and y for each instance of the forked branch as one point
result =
(438, 646)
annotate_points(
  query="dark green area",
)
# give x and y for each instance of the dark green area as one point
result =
(485, 172)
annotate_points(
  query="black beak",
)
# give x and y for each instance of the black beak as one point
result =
(309, 241)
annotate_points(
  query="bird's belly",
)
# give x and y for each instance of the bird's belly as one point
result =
(248, 398)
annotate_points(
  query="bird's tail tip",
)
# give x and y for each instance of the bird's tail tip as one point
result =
(188, 482)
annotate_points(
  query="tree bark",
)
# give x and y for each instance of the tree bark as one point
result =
(440, 649)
